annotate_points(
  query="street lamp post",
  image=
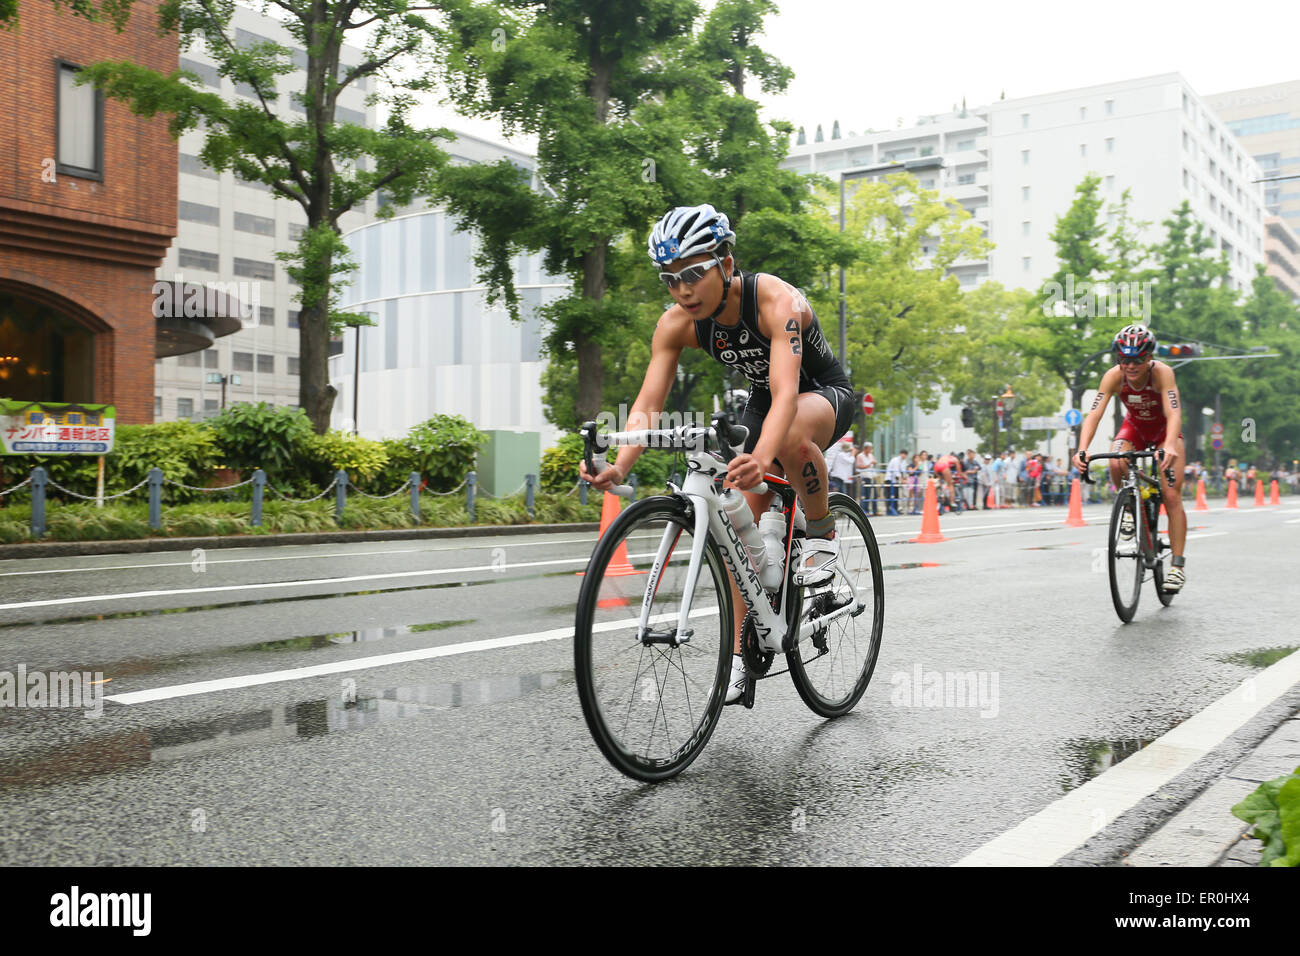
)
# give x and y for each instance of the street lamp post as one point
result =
(1004, 402)
(216, 378)
(356, 369)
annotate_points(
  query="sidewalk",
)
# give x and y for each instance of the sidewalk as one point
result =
(1205, 832)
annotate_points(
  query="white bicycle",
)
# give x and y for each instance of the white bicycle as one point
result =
(655, 623)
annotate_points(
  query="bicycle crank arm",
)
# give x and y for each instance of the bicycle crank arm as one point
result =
(808, 628)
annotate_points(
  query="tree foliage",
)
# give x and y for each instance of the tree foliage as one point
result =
(903, 308)
(313, 161)
(989, 362)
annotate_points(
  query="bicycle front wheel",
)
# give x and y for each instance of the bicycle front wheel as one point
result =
(650, 703)
(1126, 555)
(1158, 571)
(832, 667)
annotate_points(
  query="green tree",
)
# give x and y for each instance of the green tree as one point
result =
(1065, 329)
(313, 161)
(1192, 302)
(903, 308)
(574, 74)
(990, 361)
(1269, 386)
(117, 12)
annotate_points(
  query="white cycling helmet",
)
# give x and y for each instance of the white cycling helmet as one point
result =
(688, 231)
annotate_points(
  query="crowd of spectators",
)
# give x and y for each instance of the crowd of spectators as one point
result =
(981, 481)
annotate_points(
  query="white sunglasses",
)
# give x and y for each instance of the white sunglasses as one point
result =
(690, 275)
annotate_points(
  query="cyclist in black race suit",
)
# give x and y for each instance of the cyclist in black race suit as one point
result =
(800, 400)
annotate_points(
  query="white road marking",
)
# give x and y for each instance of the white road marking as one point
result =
(294, 557)
(306, 582)
(1065, 825)
(382, 660)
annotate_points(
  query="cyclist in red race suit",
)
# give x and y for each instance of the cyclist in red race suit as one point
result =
(1153, 418)
(800, 399)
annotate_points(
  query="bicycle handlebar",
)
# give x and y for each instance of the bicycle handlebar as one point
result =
(1131, 456)
(731, 441)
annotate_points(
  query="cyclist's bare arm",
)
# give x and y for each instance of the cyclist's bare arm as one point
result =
(672, 333)
(1163, 377)
(1108, 386)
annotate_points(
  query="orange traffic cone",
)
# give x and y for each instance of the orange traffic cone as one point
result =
(1232, 494)
(619, 564)
(930, 533)
(991, 501)
(1075, 519)
(1274, 497)
(1163, 513)
(1259, 492)
(1201, 503)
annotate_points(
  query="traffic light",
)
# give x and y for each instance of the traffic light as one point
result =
(1183, 350)
(967, 418)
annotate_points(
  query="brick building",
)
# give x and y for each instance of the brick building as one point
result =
(87, 213)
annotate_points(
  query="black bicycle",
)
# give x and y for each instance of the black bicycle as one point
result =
(1134, 543)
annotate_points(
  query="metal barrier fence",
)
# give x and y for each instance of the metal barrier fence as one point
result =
(40, 484)
(906, 496)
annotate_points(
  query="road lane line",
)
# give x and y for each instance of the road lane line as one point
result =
(295, 557)
(306, 582)
(1065, 825)
(382, 660)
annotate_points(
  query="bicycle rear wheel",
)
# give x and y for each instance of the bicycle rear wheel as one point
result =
(651, 705)
(832, 667)
(1126, 556)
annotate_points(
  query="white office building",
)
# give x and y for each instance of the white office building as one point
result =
(1015, 164)
(436, 346)
(228, 232)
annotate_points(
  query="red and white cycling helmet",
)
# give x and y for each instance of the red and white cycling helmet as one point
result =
(1134, 341)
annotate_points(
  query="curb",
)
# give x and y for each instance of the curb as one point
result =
(59, 549)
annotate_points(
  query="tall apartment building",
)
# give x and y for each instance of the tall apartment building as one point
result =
(436, 347)
(957, 144)
(1014, 165)
(1266, 119)
(229, 231)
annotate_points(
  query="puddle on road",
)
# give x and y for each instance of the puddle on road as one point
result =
(311, 718)
(1260, 657)
(1087, 758)
(1053, 547)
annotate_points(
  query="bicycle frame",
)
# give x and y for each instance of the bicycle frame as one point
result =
(1134, 480)
(700, 487)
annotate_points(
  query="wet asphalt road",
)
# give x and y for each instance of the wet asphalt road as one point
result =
(483, 757)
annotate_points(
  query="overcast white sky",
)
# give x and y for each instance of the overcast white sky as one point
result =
(869, 63)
